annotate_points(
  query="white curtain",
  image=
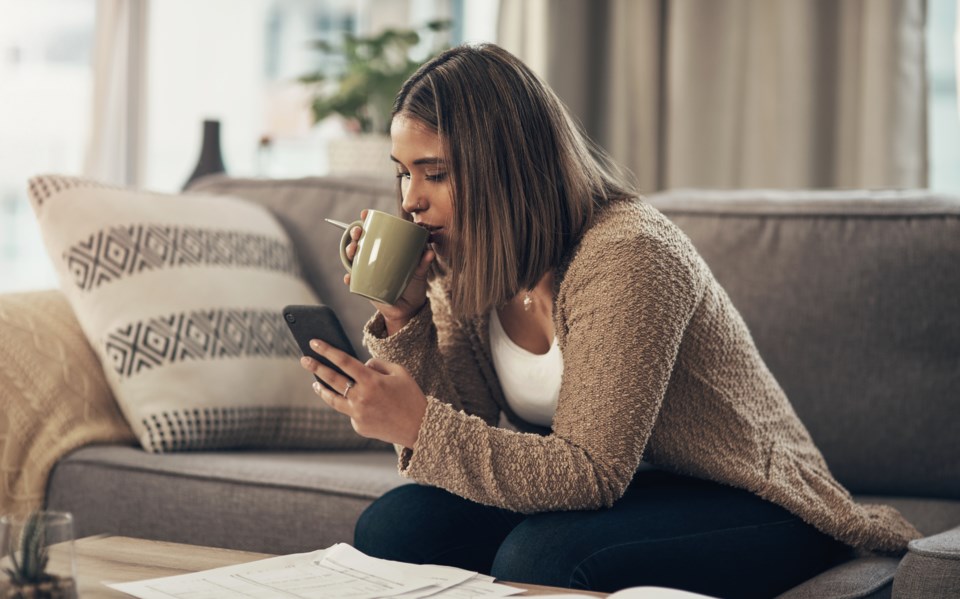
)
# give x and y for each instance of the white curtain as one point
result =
(738, 93)
(114, 151)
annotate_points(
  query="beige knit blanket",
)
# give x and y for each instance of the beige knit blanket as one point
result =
(53, 395)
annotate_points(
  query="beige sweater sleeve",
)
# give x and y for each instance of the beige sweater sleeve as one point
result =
(436, 350)
(624, 305)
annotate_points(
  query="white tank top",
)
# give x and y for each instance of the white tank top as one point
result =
(530, 382)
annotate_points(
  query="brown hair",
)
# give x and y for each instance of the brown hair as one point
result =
(526, 182)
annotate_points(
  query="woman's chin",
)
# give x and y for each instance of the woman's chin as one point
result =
(441, 252)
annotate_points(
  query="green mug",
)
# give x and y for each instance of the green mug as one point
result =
(388, 253)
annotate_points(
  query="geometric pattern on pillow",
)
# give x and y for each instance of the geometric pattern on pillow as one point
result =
(213, 428)
(108, 255)
(211, 334)
(44, 187)
(181, 297)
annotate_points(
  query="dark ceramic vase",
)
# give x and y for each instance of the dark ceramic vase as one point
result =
(211, 158)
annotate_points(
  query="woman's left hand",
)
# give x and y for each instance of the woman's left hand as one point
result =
(384, 402)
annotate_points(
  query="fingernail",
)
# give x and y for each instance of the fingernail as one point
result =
(306, 361)
(316, 344)
(316, 387)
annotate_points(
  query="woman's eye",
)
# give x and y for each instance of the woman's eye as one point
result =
(403, 175)
(437, 177)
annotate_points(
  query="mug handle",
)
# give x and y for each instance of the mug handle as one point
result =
(344, 242)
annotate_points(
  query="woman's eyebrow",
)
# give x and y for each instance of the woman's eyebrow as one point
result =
(428, 160)
(421, 161)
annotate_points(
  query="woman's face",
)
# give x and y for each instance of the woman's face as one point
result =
(424, 179)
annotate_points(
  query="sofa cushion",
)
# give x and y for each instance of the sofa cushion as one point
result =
(181, 296)
(273, 502)
(301, 205)
(851, 298)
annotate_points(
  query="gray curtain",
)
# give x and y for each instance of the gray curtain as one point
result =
(738, 93)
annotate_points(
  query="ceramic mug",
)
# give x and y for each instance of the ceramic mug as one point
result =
(388, 253)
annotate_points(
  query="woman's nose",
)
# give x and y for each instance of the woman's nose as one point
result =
(413, 201)
(409, 205)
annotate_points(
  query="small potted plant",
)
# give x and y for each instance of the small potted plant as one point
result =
(362, 92)
(28, 575)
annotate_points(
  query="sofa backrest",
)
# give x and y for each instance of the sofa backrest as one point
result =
(853, 299)
(301, 205)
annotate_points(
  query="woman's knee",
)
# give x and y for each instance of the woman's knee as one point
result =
(389, 524)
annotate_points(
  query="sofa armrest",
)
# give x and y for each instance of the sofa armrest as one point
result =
(931, 567)
(861, 577)
(54, 396)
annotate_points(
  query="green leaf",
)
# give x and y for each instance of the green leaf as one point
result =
(374, 69)
(16, 566)
(33, 550)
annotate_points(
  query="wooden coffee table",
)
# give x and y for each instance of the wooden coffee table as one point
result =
(125, 559)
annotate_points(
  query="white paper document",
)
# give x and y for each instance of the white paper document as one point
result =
(340, 571)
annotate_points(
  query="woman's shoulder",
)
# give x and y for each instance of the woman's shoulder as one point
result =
(630, 256)
(633, 231)
(631, 218)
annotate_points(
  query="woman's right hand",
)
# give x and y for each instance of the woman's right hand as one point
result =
(413, 297)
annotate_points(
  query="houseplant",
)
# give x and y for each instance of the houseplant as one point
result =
(27, 547)
(362, 91)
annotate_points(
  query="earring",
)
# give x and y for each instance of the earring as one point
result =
(527, 301)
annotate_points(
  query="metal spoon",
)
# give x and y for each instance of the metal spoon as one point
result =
(337, 223)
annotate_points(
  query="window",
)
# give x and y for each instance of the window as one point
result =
(943, 111)
(243, 72)
(236, 62)
(45, 78)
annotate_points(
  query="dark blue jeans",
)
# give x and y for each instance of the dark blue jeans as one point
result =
(667, 530)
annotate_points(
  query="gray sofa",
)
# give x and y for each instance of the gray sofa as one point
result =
(852, 298)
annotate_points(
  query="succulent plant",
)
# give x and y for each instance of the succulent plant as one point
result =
(31, 565)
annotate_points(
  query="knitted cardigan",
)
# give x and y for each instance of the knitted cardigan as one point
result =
(658, 366)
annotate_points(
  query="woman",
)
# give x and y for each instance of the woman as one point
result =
(552, 295)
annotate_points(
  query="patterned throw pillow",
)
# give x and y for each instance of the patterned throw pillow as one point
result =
(181, 298)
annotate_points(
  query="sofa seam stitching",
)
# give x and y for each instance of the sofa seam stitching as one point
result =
(936, 554)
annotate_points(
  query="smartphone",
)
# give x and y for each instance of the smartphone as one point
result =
(318, 322)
